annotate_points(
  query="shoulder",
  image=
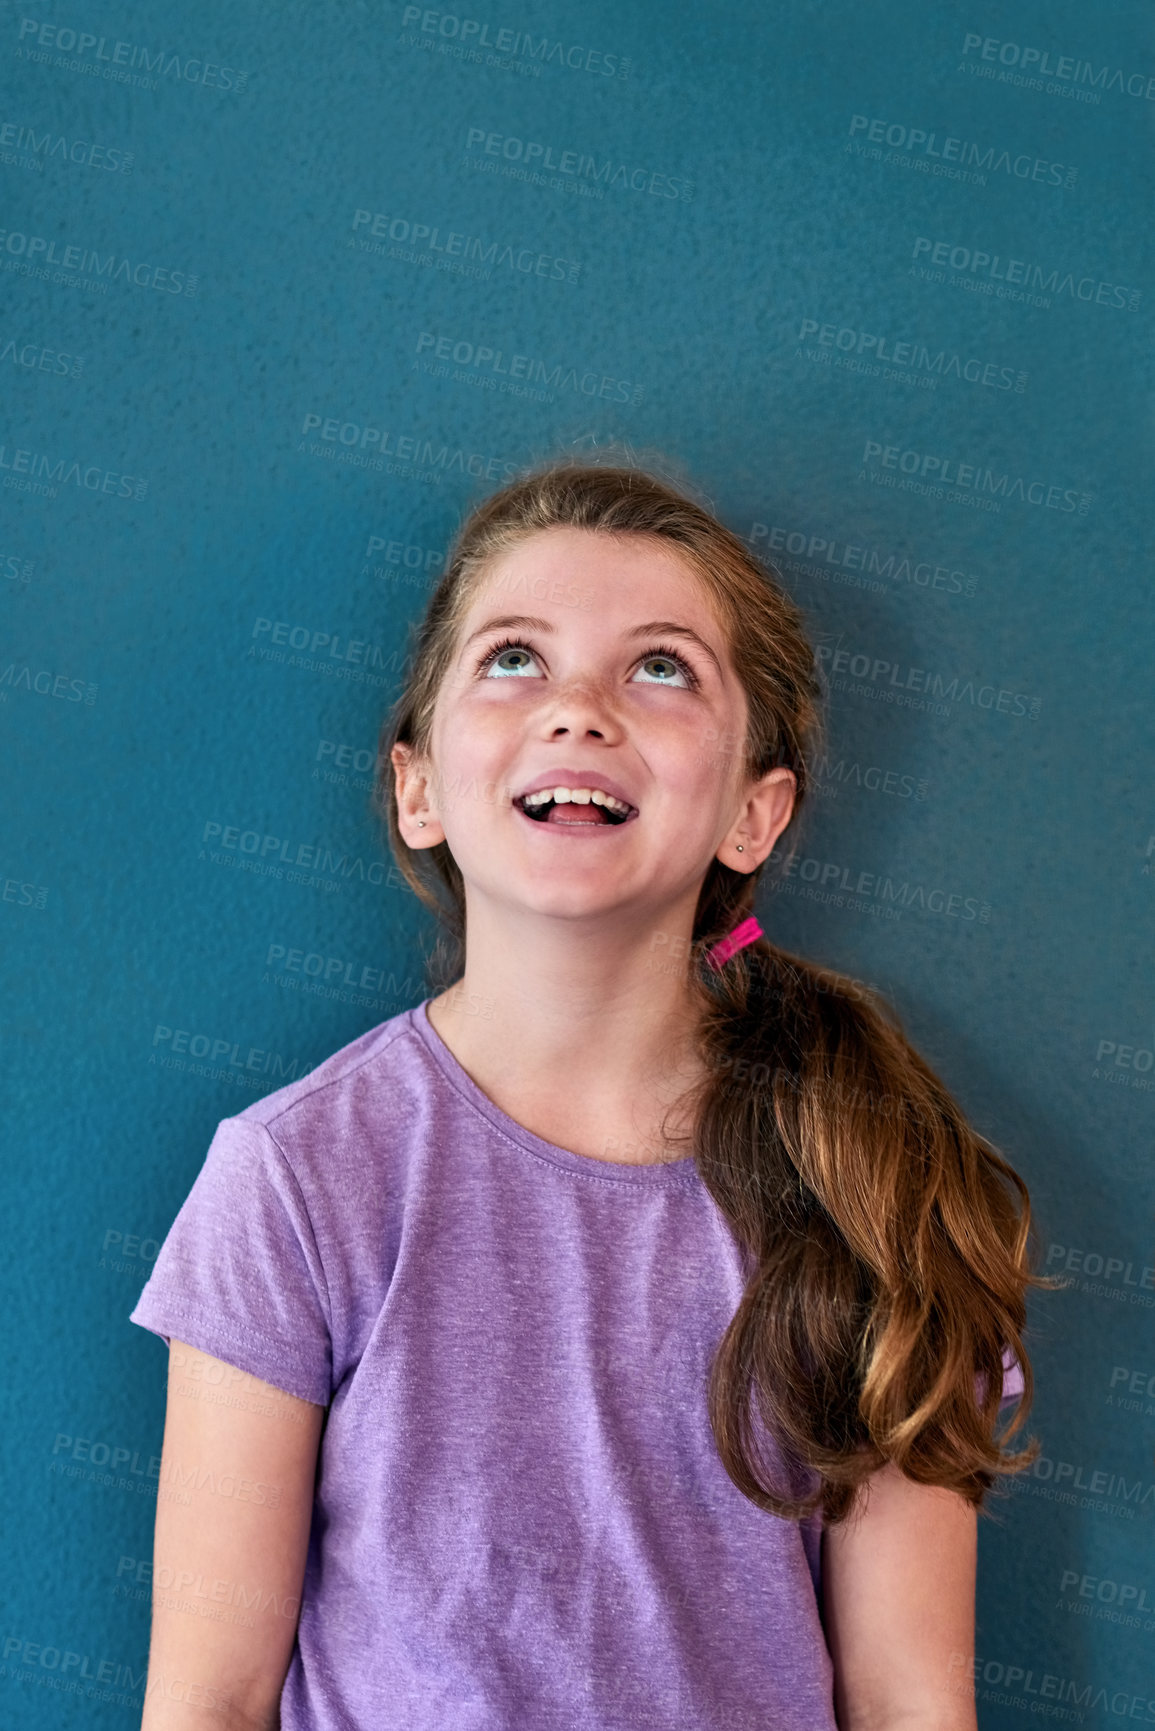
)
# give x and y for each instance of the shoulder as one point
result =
(355, 1094)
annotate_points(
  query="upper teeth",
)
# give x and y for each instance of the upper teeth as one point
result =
(578, 795)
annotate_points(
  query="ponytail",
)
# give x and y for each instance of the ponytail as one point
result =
(886, 1240)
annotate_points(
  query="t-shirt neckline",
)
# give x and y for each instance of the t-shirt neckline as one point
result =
(681, 1174)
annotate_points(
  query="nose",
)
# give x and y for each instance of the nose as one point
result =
(584, 710)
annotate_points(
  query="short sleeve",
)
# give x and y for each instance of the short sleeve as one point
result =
(1012, 1380)
(239, 1275)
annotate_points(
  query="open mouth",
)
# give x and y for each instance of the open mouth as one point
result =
(576, 807)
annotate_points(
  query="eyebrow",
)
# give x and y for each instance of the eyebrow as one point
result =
(652, 628)
(671, 628)
(508, 622)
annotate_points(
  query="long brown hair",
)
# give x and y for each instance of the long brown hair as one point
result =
(888, 1244)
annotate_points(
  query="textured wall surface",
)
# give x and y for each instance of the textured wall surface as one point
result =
(285, 287)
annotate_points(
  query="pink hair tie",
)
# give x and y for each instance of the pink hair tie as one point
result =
(742, 935)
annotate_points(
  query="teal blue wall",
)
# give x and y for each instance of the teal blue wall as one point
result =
(878, 279)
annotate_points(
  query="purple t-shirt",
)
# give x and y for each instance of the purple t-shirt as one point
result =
(521, 1521)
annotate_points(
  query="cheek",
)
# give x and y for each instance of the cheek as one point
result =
(710, 787)
(471, 724)
(491, 728)
(470, 752)
(696, 756)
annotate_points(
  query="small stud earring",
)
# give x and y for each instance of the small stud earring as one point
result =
(421, 823)
(739, 847)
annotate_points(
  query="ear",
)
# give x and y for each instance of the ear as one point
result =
(766, 809)
(416, 817)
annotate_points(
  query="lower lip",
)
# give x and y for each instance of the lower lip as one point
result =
(582, 829)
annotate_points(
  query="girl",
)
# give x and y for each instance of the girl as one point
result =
(617, 1338)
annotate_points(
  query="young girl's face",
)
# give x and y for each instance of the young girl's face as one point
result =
(615, 676)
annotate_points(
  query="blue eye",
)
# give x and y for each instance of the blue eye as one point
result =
(671, 670)
(510, 660)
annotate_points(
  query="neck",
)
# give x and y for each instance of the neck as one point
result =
(584, 1036)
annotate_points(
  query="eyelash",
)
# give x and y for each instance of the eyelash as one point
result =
(654, 649)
